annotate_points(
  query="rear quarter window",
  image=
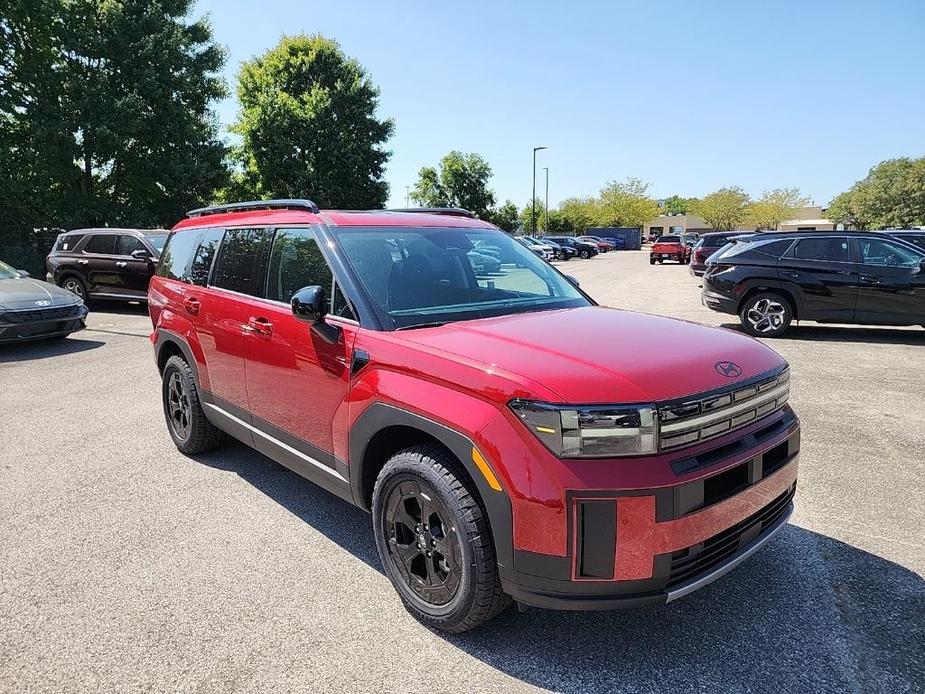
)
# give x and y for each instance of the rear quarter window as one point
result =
(178, 254)
(69, 242)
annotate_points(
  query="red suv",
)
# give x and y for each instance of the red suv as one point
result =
(501, 428)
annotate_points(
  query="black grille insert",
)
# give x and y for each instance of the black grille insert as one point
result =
(690, 561)
(41, 314)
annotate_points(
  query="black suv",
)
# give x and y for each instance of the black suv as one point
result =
(582, 248)
(106, 263)
(770, 279)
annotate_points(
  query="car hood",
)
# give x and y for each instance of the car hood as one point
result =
(24, 292)
(603, 355)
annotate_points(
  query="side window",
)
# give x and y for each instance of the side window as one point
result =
(339, 305)
(832, 249)
(69, 242)
(175, 259)
(295, 262)
(127, 244)
(102, 243)
(878, 252)
(241, 260)
(205, 255)
(775, 249)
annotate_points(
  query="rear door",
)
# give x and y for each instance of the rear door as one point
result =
(827, 280)
(98, 261)
(224, 309)
(892, 283)
(297, 375)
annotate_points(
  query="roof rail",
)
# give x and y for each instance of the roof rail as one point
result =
(448, 211)
(255, 205)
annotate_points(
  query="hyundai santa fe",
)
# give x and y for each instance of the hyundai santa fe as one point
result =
(502, 429)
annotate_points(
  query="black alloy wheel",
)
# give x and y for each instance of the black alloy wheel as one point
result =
(187, 424)
(178, 409)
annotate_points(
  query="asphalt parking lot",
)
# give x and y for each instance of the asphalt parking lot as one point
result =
(126, 566)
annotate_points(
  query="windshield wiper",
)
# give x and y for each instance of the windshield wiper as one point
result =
(433, 324)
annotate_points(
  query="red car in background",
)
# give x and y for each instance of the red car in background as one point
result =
(708, 245)
(603, 245)
(508, 436)
(669, 248)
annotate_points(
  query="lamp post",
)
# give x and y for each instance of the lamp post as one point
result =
(533, 199)
(407, 192)
(546, 204)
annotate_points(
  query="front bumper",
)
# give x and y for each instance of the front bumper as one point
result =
(41, 324)
(639, 547)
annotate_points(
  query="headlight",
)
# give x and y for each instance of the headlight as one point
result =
(597, 431)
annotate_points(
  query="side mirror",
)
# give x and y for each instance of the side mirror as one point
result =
(141, 254)
(573, 280)
(309, 304)
(23, 273)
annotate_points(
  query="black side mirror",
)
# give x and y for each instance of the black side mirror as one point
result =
(573, 280)
(141, 254)
(23, 273)
(309, 304)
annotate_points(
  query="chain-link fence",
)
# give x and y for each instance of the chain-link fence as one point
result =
(26, 248)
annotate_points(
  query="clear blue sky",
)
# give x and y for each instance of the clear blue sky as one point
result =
(690, 96)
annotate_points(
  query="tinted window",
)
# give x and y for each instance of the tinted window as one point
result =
(295, 262)
(775, 249)
(878, 252)
(670, 239)
(205, 254)
(69, 242)
(340, 306)
(127, 244)
(241, 260)
(157, 241)
(915, 240)
(175, 260)
(102, 243)
(833, 249)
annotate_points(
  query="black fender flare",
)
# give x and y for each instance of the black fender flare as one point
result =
(165, 336)
(497, 505)
(787, 288)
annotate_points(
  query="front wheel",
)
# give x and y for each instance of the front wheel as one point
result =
(434, 541)
(766, 315)
(584, 254)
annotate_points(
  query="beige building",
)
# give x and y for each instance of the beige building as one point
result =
(804, 219)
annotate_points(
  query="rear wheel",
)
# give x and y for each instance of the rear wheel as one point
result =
(651, 261)
(584, 254)
(75, 285)
(766, 315)
(435, 542)
(190, 430)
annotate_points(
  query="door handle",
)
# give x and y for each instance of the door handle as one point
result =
(260, 326)
(191, 304)
(794, 275)
(121, 263)
(870, 279)
(83, 262)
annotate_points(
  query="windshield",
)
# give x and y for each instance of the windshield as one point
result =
(426, 276)
(7, 273)
(157, 240)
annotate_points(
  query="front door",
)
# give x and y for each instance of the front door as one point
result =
(99, 261)
(135, 273)
(297, 375)
(828, 280)
(892, 284)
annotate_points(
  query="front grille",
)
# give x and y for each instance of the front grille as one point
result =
(701, 418)
(687, 563)
(41, 314)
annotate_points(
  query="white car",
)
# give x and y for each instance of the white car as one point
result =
(543, 251)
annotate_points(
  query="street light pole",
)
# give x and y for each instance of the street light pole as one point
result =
(546, 204)
(407, 191)
(533, 199)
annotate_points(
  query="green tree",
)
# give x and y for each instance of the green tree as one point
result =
(625, 204)
(526, 217)
(775, 207)
(105, 112)
(577, 214)
(309, 128)
(506, 216)
(678, 205)
(724, 209)
(460, 180)
(892, 195)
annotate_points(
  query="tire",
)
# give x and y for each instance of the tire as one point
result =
(453, 586)
(75, 285)
(766, 314)
(191, 432)
(584, 254)
(651, 261)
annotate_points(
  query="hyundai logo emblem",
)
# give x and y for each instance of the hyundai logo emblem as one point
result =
(43, 302)
(729, 369)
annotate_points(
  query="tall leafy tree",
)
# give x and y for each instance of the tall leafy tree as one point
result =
(505, 216)
(625, 203)
(775, 207)
(309, 127)
(892, 195)
(577, 214)
(459, 180)
(724, 209)
(675, 204)
(105, 111)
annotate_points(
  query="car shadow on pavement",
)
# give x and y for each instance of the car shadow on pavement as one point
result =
(859, 334)
(45, 349)
(127, 308)
(807, 613)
